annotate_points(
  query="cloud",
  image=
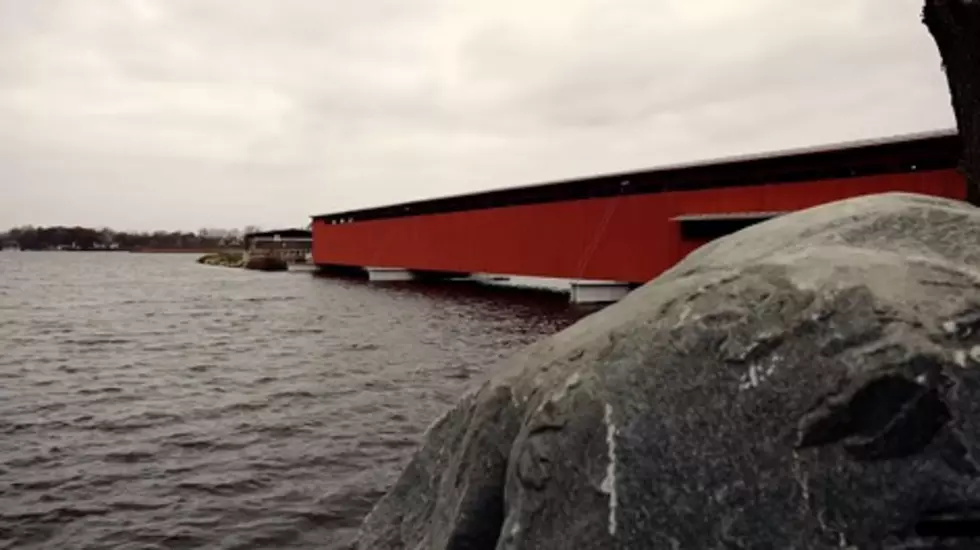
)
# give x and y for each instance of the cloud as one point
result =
(189, 113)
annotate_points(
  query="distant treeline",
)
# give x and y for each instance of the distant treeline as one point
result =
(86, 238)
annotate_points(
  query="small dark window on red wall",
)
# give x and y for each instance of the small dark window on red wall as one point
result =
(707, 227)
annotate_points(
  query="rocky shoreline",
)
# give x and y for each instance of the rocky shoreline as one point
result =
(240, 260)
(223, 259)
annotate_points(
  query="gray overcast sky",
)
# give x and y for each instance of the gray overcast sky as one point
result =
(143, 114)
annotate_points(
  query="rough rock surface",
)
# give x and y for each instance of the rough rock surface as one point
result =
(812, 382)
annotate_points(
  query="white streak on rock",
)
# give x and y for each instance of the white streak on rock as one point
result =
(685, 313)
(959, 356)
(756, 375)
(609, 483)
(573, 381)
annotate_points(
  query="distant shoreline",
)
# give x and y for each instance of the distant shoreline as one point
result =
(182, 250)
(131, 250)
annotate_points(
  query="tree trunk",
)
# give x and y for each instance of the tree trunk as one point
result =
(955, 26)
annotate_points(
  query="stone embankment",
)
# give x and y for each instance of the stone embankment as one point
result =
(238, 259)
(811, 382)
(224, 259)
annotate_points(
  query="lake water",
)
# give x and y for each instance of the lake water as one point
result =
(149, 402)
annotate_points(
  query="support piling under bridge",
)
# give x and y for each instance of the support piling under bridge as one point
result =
(627, 227)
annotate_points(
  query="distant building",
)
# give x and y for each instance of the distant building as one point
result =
(293, 245)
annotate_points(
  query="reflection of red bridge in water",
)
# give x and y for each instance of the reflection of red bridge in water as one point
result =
(626, 227)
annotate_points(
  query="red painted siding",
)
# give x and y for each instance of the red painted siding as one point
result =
(627, 238)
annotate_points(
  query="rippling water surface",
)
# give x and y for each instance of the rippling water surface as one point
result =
(149, 402)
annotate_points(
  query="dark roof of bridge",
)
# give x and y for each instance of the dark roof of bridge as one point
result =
(896, 154)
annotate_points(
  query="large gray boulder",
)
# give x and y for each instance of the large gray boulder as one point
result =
(812, 382)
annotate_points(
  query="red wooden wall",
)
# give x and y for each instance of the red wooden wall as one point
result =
(627, 238)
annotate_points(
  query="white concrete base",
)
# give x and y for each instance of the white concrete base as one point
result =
(389, 274)
(597, 292)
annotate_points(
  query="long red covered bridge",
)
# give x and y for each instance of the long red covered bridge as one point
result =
(626, 227)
